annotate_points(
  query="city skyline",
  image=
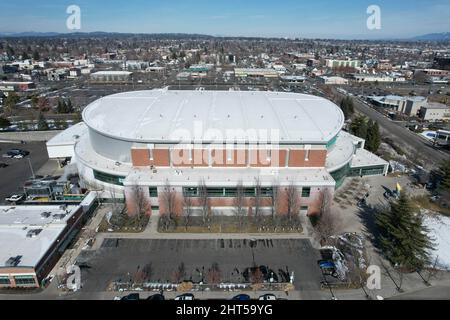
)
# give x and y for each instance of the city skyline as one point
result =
(346, 19)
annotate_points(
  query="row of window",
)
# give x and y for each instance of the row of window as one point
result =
(109, 178)
(232, 192)
(20, 280)
(194, 191)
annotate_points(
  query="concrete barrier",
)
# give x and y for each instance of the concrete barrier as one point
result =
(29, 136)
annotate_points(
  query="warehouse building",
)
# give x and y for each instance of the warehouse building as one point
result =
(33, 239)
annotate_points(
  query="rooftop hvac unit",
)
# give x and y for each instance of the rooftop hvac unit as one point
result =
(13, 261)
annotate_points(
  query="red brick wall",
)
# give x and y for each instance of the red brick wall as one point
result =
(317, 159)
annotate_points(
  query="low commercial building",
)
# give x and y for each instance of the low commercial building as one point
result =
(33, 238)
(293, 81)
(409, 106)
(111, 76)
(377, 78)
(15, 86)
(330, 63)
(256, 73)
(334, 80)
(435, 112)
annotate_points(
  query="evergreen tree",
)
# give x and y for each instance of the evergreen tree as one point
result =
(403, 238)
(359, 127)
(4, 123)
(42, 123)
(373, 139)
(445, 176)
(36, 55)
(69, 106)
(348, 108)
(25, 56)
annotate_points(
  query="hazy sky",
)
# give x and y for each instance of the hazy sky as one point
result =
(281, 18)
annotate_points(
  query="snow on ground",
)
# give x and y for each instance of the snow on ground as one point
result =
(439, 227)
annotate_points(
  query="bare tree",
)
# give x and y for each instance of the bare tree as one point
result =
(140, 202)
(275, 199)
(328, 222)
(292, 201)
(239, 204)
(168, 202)
(180, 273)
(204, 202)
(187, 204)
(214, 275)
(258, 200)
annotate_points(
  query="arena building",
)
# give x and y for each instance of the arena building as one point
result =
(144, 145)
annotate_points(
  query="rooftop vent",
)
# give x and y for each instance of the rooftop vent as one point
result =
(59, 216)
(33, 233)
(13, 261)
(45, 214)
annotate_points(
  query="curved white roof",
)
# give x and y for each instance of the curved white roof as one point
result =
(166, 116)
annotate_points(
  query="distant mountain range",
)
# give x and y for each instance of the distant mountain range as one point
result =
(444, 36)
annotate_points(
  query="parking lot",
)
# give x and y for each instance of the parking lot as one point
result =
(18, 171)
(121, 259)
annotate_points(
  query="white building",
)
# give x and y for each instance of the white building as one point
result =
(435, 112)
(148, 138)
(334, 80)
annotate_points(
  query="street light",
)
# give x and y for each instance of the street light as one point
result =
(31, 167)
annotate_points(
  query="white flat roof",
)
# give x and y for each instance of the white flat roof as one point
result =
(364, 158)
(223, 177)
(16, 222)
(112, 73)
(69, 136)
(164, 116)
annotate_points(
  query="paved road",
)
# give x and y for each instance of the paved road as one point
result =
(404, 137)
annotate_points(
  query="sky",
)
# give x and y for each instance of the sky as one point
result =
(343, 19)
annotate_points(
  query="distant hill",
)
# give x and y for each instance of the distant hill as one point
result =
(99, 34)
(444, 36)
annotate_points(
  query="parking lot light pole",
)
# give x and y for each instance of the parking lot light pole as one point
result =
(31, 167)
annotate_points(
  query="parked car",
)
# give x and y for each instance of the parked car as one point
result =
(186, 297)
(242, 297)
(131, 297)
(15, 198)
(3, 165)
(16, 154)
(156, 297)
(268, 297)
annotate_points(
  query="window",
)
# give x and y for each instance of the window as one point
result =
(190, 192)
(306, 192)
(250, 192)
(109, 178)
(216, 192)
(230, 192)
(153, 192)
(304, 209)
(24, 280)
(266, 192)
(4, 281)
